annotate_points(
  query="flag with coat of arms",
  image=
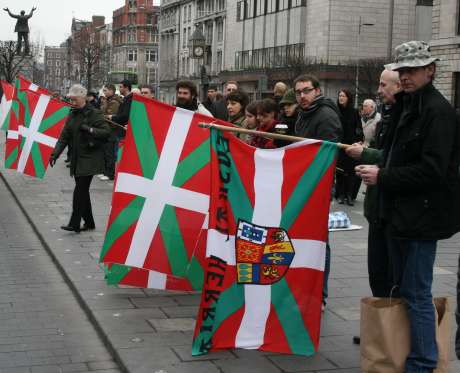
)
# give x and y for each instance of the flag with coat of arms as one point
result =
(268, 228)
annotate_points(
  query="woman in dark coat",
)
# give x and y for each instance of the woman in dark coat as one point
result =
(85, 132)
(352, 133)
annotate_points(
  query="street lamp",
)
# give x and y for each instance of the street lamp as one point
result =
(197, 49)
(361, 24)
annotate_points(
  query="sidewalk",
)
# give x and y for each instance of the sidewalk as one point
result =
(151, 330)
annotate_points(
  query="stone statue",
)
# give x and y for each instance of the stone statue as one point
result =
(22, 28)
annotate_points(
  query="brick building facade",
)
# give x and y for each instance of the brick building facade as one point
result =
(55, 60)
(135, 40)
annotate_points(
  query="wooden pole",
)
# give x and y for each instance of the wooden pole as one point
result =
(269, 135)
(113, 124)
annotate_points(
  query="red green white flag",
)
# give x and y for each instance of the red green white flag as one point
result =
(34, 131)
(161, 195)
(6, 104)
(266, 246)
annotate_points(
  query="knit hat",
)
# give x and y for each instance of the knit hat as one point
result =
(412, 54)
(289, 98)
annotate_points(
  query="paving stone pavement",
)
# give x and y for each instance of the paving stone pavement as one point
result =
(151, 330)
(42, 327)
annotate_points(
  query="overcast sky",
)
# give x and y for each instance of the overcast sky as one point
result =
(53, 18)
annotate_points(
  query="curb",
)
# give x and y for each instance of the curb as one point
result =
(82, 303)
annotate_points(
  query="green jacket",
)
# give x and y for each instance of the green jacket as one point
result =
(86, 149)
(371, 156)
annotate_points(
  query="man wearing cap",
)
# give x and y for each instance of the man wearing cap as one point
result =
(418, 185)
(85, 132)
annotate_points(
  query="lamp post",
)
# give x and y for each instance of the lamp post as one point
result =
(361, 24)
(197, 49)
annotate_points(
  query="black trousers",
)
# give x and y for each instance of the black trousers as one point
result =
(81, 204)
(378, 262)
(110, 157)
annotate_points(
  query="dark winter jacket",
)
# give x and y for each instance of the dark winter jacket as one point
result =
(122, 116)
(321, 121)
(86, 149)
(419, 177)
(374, 155)
(352, 132)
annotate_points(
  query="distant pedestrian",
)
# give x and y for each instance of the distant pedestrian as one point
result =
(352, 133)
(279, 90)
(250, 121)
(110, 104)
(230, 86)
(369, 119)
(147, 91)
(122, 115)
(85, 131)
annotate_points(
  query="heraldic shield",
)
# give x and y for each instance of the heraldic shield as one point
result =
(263, 255)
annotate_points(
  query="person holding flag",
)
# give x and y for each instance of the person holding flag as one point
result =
(85, 132)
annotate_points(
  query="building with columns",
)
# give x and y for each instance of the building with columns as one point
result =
(274, 40)
(445, 44)
(135, 38)
(179, 19)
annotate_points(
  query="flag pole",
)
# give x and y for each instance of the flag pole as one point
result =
(269, 135)
(113, 124)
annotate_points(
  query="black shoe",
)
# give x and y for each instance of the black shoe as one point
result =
(340, 200)
(69, 228)
(356, 340)
(88, 228)
(68, 165)
(350, 202)
(67, 160)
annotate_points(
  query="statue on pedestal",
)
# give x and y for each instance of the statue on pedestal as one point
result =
(22, 28)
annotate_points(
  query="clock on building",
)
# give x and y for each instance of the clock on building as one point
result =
(198, 51)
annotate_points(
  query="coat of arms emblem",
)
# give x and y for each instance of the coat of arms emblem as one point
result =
(263, 254)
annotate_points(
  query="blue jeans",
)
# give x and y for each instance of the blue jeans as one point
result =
(327, 269)
(412, 263)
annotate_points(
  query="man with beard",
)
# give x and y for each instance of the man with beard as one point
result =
(187, 98)
(319, 118)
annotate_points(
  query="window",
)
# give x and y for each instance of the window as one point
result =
(208, 33)
(457, 90)
(219, 61)
(189, 34)
(268, 57)
(271, 6)
(151, 55)
(58, 63)
(131, 35)
(184, 38)
(260, 7)
(220, 30)
(132, 55)
(189, 18)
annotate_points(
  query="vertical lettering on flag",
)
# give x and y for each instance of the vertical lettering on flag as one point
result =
(268, 181)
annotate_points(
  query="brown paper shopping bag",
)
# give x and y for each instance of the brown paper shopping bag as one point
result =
(385, 336)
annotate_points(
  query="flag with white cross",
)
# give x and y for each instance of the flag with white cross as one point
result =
(39, 122)
(161, 196)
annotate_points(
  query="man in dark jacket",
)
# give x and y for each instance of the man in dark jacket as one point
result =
(319, 118)
(418, 181)
(85, 132)
(377, 251)
(122, 116)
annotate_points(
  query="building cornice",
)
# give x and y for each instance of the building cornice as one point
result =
(450, 41)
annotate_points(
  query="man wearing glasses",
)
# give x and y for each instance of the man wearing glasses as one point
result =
(319, 119)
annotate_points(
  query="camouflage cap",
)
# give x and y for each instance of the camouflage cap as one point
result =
(412, 54)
